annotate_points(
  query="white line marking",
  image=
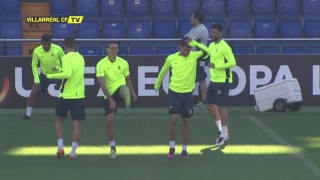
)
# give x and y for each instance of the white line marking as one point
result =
(313, 167)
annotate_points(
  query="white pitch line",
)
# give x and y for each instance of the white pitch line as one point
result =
(306, 161)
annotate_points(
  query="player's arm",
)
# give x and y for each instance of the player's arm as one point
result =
(65, 73)
(34, 65)
(162, 74)
(128, 79)
(204, 50)
(101, 79)
(231, 61)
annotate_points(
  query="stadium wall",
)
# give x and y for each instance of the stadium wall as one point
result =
(252, 71)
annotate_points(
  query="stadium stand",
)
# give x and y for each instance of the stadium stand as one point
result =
(168, 19)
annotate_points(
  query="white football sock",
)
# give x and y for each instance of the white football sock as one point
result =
(224, 131)
(112, 143)
(184, 148)
(172, 144)
(60, 144)
(74, 148)
(219, 125)
(29, 111)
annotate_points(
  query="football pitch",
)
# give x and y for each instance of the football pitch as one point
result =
(263, 146)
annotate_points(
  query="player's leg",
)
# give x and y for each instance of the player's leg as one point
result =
(186, 111)
(77, 114)
(173, 108)
(110, 117)
(125, 95)
(211, 105)
(61, 113)
(222, 99)
(201, 78)
(43, 85)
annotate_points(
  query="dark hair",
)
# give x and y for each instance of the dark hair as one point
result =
(70, 42)
(217, 26)
(198, 15)
(113, 42)
(46, 37)
(184, 43)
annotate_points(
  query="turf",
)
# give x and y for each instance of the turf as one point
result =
(28, 147)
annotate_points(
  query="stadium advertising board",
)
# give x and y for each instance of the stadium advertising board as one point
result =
(252, 71)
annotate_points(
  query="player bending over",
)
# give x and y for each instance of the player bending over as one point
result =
(72, 94)
(221, 62)
(183, 65)
(113, 75)
(48, 55)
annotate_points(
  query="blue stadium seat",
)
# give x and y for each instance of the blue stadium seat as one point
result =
(313, 47)
(137, 48)
(122, 51)
(240, 26)
(1, 49)
(263, 6)
(139, 7)
(113, 27)
(187, 7)
(243, 48)
(11, 27)
(90, 48)
(312, 26)
(139, 27)
(293, 47)
(238, 6)
(166, 47)
(290, 26)
(216, 19)
(14, 49)
(62, 30)
(311, 7)
(162, 7)
(89, 28)
(213, 7)
(62, 7)
(267, 48)
(10, 7)
(111, 7)
(265, 26)
(163, 27)
(286, 7)
(184, 25)
(87, 7)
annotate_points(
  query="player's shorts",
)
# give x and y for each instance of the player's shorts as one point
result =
(180, 103)
(106, 104)
(201, 74)
(75, 106)
(218, 94)
(45, 82)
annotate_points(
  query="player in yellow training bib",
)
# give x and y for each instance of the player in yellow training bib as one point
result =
(113, 75)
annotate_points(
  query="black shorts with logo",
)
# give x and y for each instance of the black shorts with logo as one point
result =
(217, 94)
(75, 106)
(106, 104)
(45, 82)
(180, 103)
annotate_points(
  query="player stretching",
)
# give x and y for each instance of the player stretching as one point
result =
(221, 62)
(183, 65)
(48, 55)
(113, 75)
(72, 95)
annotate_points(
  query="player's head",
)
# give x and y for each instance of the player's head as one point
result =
(70, 43)
(197, 18)
(113, 48)
(216, 32)
(184, 46)
(46, 42)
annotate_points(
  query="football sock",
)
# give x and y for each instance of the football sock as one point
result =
(172, 144)
(184, 148)
(219, 125)
(224, 131)
(60, 144)
(112, 143)
(74, 148)
(29, 111)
